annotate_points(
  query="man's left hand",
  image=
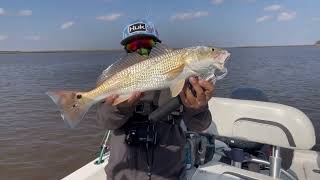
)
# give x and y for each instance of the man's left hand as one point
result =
(203, 92)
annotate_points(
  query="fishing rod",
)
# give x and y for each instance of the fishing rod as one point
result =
(103, 147)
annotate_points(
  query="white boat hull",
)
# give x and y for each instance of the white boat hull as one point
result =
(303, 164)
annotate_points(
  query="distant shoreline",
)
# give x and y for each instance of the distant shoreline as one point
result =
(106, 50)
(269, 46)
(57, 51)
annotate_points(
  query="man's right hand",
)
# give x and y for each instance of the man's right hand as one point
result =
(133, 99)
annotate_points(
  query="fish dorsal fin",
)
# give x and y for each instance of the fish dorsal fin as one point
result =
(159, 49)
(123, 63)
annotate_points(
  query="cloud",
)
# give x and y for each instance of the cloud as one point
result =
(315, 19)
(263, 18)
(2, 12)
(25, 12)
(286, 16)
(110, 17)
(33, 38)
(189, 15)
(274, 7)
(67, 25)
(3, 37)
(217, 2)
(250, 1)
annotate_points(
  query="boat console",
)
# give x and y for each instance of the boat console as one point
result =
(262, 122)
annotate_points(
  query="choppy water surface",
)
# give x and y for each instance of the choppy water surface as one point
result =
(35, 143)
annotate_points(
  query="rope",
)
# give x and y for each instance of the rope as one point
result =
(103, 139)
(101, 143)
(104, 146)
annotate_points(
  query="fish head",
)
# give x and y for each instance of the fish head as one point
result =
(203, 57)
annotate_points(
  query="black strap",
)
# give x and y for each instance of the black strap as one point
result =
(148, 148)
(156, 97)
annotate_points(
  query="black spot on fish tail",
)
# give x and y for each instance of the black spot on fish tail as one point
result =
(79, 96)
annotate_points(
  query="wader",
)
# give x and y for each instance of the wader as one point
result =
(143, 150)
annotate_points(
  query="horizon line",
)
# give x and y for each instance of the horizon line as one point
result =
(102, 50)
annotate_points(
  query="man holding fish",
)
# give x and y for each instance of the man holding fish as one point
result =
(130, 161)
(136, 85)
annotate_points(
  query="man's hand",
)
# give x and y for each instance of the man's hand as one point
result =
(134, 98)
(203, 89)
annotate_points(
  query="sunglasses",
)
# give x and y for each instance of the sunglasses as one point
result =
(140, 43)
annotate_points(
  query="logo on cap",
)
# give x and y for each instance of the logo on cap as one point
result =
(137, 27)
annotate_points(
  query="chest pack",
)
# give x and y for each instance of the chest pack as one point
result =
(140, 129)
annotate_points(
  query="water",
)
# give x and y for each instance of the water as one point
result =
(35, 143)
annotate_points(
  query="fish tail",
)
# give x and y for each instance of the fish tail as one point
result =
(72, 105)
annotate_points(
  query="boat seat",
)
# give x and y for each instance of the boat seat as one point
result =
(262, 122)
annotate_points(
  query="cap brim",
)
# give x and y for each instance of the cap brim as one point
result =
(125, 41)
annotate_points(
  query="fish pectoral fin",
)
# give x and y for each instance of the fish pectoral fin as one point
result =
(120, 99)
(177, 87)
(175, 72)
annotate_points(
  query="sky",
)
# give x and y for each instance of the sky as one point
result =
(37, 25)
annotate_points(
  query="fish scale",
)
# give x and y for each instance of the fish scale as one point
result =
(134, 78)
(166, 68)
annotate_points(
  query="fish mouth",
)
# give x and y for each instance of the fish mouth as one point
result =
(222, 54)
(228, 56)
(222, 57)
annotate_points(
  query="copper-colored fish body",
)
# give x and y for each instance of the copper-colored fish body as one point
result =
(164, 69)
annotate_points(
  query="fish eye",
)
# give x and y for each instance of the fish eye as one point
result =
(212, 49)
